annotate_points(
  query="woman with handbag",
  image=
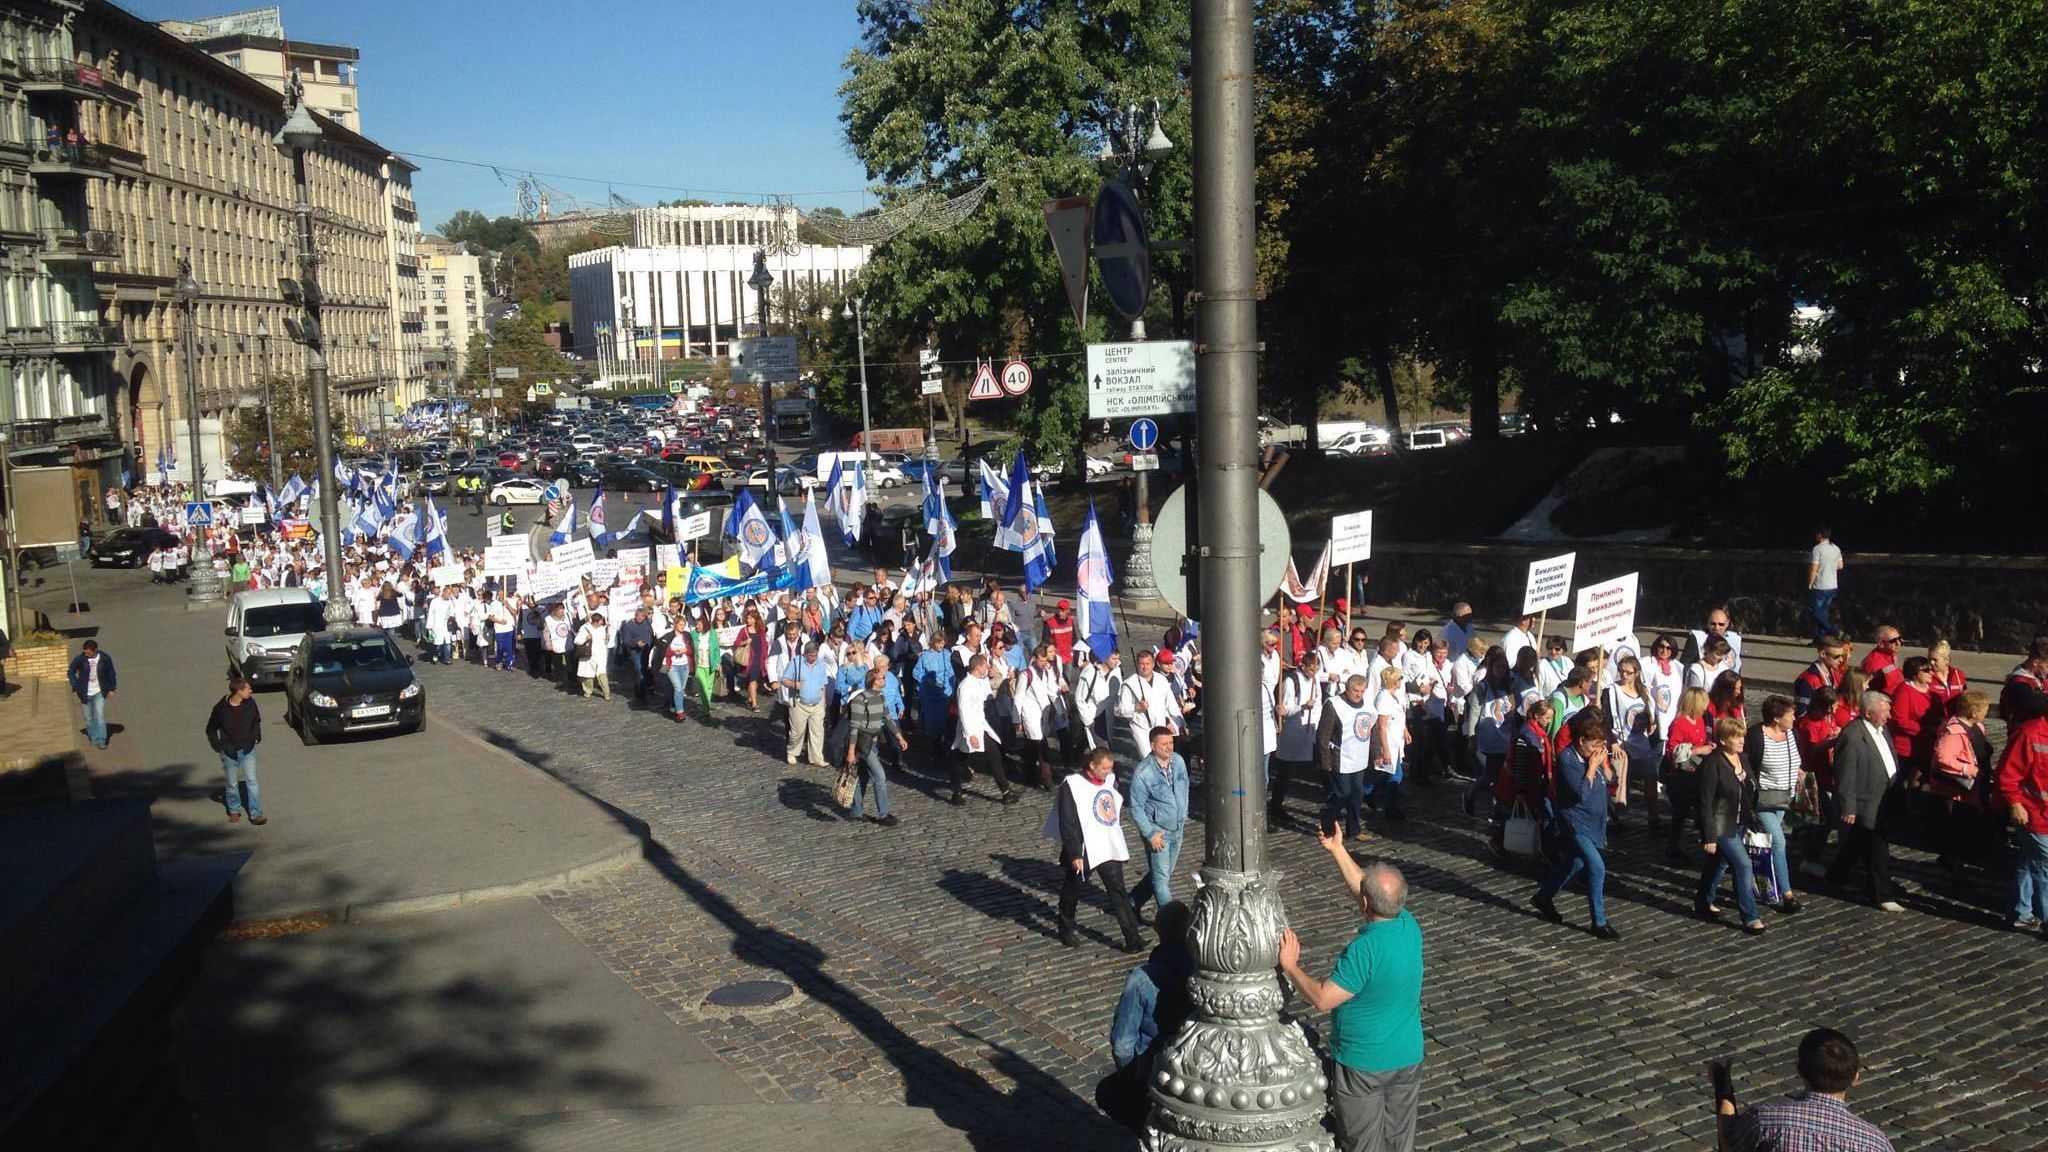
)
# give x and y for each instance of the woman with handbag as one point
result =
(750, 657)
(1688, 743)
(1632, 720)
(1962, 752)
(1521, 789)
(1727, 807)
(1771, 753)
(1583, 784)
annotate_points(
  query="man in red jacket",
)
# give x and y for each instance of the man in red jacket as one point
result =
(1881, 663)
(2023, 787)
(2026, 686)
(1827, 671)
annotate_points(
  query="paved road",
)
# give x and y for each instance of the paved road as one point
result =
(931, 976)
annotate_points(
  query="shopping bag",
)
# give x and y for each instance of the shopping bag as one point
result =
(1524, 833)
(1762, 874)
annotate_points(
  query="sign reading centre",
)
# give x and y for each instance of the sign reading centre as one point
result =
(1550, 584)
(1351, 538)
(1146, 378)
(1607, 614)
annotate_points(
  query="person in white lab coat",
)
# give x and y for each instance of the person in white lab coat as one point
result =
(976, 736)
(1146, 702)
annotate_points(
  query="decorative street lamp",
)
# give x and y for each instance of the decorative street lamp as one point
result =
(761, 281)
(269, 424)
(205, 584)
(300, 135)
(1134, 159)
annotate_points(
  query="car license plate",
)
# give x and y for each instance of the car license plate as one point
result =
(368, 711)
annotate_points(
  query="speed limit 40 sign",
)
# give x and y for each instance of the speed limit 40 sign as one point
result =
(1016, 377)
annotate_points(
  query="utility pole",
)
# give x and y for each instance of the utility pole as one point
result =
(760, 282)
(484, 393)
(1235, 1076)
(858, 314)
(383, 429)
(269, 422)
(299, 135)
(205, 585)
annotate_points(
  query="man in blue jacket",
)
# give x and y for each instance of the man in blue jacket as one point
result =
(92, 678)
(1159, 803)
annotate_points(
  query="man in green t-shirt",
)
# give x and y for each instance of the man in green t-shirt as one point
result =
(1374, 998)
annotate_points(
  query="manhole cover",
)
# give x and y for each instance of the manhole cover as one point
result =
(750, 994)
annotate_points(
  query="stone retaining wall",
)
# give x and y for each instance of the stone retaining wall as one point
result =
(47, 663)
(1984, 603)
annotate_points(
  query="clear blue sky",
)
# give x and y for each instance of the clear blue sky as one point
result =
(714, 99)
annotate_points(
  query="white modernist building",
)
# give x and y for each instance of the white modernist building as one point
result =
(680, 290)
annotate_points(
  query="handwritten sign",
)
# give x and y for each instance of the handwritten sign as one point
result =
(1606, 614)
(443, 575)
(574, 559)
(632, 560)
(1550, 583)
(1351, 538)
(604, 574)
(667, 556)
(506, 556)
(546, 582)
(693, 527)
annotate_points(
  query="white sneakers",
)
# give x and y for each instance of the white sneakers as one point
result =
(1891, 906)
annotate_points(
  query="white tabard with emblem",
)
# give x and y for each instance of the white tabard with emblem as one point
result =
(1101, 809)
(1354, 734)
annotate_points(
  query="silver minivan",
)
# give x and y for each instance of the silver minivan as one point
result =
(264, 627)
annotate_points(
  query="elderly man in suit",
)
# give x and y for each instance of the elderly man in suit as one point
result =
(1866, 772)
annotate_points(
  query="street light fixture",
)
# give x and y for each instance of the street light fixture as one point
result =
(761, 281)
(856, 312)
(300, 135)
(269, 423)
(383, 429)
(205, 584)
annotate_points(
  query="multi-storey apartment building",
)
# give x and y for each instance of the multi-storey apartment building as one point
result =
(124, 151)
(455, 299)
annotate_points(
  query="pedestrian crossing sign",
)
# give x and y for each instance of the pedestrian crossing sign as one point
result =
(985, 386)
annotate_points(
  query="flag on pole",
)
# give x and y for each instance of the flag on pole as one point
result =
(565, 528)
(293, 489)
(750, 525)
(600, 531)
(1015, 510)
(1092, 573)
(812, 554)
(1045, 531)
(1310, 590)
(939, 525)
(995, 494)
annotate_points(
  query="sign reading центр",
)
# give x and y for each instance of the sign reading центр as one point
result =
(1550, 584)
(1147, 378)
(1607, 614)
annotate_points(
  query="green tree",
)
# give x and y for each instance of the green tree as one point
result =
(515, 342)
(291, 419)
(948, 94)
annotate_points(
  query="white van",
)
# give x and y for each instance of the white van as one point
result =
(264, 627)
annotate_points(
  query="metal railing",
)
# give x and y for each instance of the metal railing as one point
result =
(82, 155)
(86, 333)
(91, 242)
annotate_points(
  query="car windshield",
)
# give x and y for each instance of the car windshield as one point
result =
(360, 654)
(282, 620)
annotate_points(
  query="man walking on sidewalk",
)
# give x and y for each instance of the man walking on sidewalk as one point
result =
(805, 683)
(233, 730)
(1159, 803)
(1087, 820)
(92, 677)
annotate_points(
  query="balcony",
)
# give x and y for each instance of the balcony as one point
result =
(81, 336)
(68, 160)
(408, 265)
(54, 75)
(413, 318)
(403, 206)
(62, 245)
(60, 430)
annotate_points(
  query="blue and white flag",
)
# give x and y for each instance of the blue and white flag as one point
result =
(1045, 529)
(995, 494)
(600, 531)
(293, 489)
(939, 525)
(565, 528)
(401, 534)
(750, 525)
(810, 553)
(1092, 573)
(434, 531)
(1016, 512)
(848, 496)
(711, 584)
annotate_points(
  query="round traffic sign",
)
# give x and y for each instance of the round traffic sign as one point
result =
(1016, 377)
(1170, 548)
(1144, 434)
(732, 393)
(553, 493)
(1123, 251)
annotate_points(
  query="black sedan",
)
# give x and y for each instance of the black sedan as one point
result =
(129, 547)
(351, 680)
(584, 474)
(632, 478)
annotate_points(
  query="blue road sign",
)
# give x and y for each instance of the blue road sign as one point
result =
(1144, 434)
(1123, 251)
(553, 493)
(198, 514)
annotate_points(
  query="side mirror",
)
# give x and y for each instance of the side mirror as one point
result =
(230, 632)
(408, 661)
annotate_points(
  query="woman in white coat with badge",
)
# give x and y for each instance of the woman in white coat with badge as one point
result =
(1087, 820)
(1390, 744)
(594, 656)
(1299, 710)
(975, 736)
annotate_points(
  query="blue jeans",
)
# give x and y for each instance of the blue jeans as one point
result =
(1820, 605)
(1781, 865)
(1732, 856)
(1347, 791)
(244, 766)
(443, 652)
(679, 682)
(2030, 878)
(1581, 855)
(1158, 880)
(96, 719)
(875, 777)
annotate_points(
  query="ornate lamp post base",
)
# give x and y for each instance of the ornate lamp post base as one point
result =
(205, 583)
(1138, 581)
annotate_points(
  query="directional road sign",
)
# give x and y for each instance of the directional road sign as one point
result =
(765, 359)
(929, 371)
(1016, 377)
(506, 373)
(1148, 378)
(1144, 435)
(1123, 250)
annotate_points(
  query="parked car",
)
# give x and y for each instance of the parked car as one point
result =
(129, 547)
(264, 628)
(584, 474)
(1364, 442)
(1453, 430)
(519, 490)
(509, 460)
(1514, 424)
(433, 479)
(788, 481)
(351, 680)
(632, 478)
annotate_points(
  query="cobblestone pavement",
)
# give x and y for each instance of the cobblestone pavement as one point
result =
(929, 974)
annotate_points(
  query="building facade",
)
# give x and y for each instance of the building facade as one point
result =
(125, 151)
(254, 43)
(685, 301)
(454, 283)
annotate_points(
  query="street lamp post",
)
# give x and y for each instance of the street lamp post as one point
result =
(269, 422)
(205, 584)
(1234, 1076)
(858, 314)
(383, 429)
(300, 135)
(760, 282)
(1134, 155)
(485, 393)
